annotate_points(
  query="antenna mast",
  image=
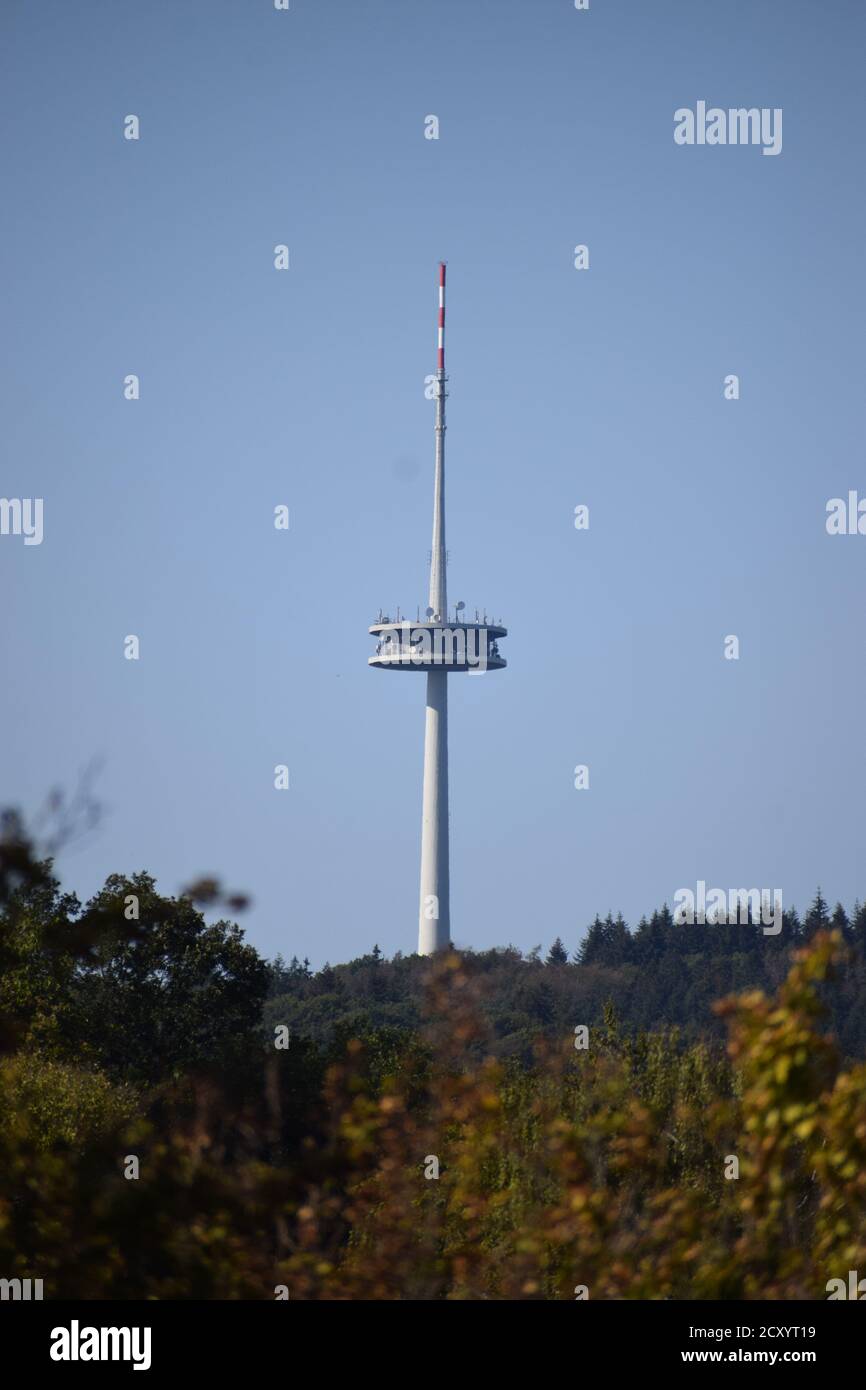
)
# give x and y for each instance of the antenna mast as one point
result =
(438, 594)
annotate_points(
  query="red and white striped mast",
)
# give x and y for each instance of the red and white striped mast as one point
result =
(438, 586)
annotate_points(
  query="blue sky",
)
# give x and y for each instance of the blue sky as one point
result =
(306, 387)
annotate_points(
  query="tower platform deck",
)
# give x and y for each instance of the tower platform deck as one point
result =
(425, 646)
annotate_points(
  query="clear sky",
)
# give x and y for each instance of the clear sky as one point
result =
(306, 387)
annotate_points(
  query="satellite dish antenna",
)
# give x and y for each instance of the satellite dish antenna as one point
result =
(461, 605)
(429, 612)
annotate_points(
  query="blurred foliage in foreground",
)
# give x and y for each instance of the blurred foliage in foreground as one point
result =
(307, 1167)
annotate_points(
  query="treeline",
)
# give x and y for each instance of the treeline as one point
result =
(659, 976)
(181, 1120)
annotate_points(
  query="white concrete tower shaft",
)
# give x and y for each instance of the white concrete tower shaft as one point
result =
(434, 927)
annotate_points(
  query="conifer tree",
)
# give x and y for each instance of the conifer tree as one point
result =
(557, 955)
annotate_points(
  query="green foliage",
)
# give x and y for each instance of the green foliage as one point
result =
(658, 977)
(311, 1166)
(145, 997)
(64, 1105)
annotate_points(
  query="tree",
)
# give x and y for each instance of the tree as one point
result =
(181, 994)
(557, 955)
(617, 941)
(839, 922)
(649, 940)
(34, 971)
(591, 948)
(817, 918)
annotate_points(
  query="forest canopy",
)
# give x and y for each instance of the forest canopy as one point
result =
(180, 1118)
